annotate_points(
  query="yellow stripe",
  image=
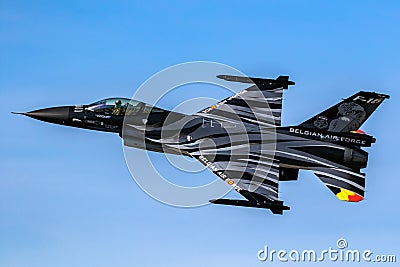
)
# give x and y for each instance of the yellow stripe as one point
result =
(344, 194)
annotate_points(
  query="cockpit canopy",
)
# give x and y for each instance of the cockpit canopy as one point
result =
(121, 106)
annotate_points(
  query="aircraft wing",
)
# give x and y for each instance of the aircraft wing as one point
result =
(253, 173)
(254, 177)
(260, 104)
(243, 156)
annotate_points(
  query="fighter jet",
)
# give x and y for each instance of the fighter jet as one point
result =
(241, 140)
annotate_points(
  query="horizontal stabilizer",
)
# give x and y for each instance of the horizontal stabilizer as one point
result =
(347, 185)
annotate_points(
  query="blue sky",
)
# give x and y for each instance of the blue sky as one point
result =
(66, 195)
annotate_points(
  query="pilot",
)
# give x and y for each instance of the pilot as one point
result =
(117, 108)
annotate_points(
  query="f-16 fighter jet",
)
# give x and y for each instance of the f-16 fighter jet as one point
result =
(241, 140)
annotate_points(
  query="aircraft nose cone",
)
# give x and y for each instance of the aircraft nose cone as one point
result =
(55, 115)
